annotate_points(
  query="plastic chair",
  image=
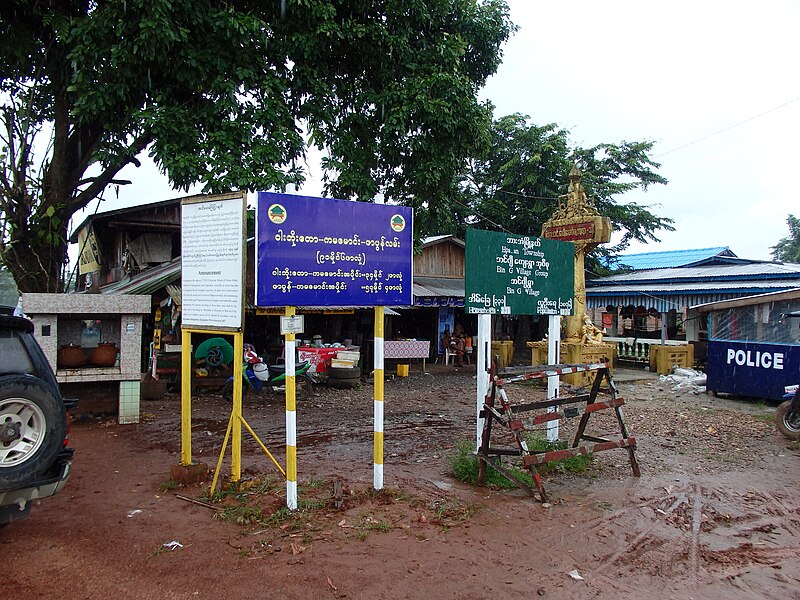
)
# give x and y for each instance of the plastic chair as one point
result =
(448, 355)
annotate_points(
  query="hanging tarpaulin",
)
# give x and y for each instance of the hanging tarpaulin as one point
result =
(446, 324)
(150, 248)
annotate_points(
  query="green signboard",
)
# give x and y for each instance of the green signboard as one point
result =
(510, 274)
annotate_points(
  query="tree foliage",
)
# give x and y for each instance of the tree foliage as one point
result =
(788, 248)
(227, 94)
(517, 183)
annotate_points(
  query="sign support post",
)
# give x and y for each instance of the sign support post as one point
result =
(291, 417)
(236, 410)
(186, 398)
(377, 469)
(553, 381)
(483, 367)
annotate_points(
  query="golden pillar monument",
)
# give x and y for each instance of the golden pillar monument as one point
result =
(577, 220)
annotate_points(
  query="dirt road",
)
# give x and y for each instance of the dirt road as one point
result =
(714, 514)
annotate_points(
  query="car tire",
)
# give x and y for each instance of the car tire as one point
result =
(343, 373)
(33, 426)
(344, 384)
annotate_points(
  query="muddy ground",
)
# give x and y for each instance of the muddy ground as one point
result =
(713, 515)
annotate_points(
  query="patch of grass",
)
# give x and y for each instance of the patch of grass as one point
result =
(314, 483)
(766, 418)
(574, 464)
(450, 513)
(169, 485)
(367, 523)
(241, 490)
(279, 517)
(241, 514)
(465, 466)
(312, 504)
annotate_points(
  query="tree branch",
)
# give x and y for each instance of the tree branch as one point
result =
(83, 198)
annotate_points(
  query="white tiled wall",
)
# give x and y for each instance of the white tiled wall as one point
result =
(129, 396)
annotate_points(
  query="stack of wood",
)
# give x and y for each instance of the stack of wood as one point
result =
(345, 359)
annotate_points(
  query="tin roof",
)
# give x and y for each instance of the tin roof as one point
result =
(438, 286)
(790, 294)
(669, 258)
(128, 210)
(748, 271)
(665, 289)
(438, 239)
(148, 281)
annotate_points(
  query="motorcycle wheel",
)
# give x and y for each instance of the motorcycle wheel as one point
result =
(787, 424)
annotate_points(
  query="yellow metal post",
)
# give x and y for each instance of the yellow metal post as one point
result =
(186, 397)
(236, 411)
(377, 446)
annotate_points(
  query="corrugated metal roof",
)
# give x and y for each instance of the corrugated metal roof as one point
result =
(664, 298)
(669, 258)
(438, 286)
(661, 303)
(756, 270)
(792, 294)
(147, 281)
(695, 286)
(122, 211)
(437, 239)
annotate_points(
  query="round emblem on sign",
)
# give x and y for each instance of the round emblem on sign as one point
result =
(277, 214)
(398, 223)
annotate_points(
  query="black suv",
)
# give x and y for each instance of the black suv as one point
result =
(34, 458)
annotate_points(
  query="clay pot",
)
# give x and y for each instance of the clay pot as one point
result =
(71, 357)
(105, 355)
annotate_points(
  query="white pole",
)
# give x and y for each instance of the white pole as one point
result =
(553, 358)
(482, 368)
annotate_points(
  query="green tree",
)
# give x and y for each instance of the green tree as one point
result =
(516, 184)
(788, 248)
(229, 94)
(9, 296)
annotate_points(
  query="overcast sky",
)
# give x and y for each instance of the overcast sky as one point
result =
(674, 73)
(712, 83)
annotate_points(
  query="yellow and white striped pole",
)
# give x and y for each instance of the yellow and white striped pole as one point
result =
(377, 470)
(291, 417)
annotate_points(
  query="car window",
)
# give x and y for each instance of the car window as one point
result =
(13, 357)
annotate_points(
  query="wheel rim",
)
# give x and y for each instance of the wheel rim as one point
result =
(22, 429)
(791, 420)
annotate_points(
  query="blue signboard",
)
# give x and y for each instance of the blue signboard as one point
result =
(324, 252)
(752, 369)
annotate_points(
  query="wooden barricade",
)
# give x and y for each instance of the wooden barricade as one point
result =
(499, 409)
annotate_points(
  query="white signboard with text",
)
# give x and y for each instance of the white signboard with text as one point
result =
(212, 255)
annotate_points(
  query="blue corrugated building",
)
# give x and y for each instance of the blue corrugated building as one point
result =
(652, 297)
